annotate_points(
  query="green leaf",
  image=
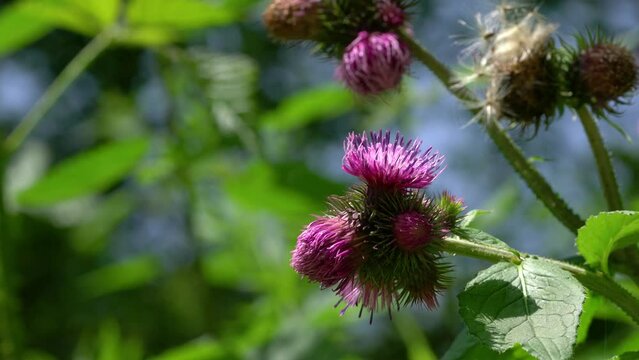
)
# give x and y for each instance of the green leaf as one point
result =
(18, 29)
(147, 36)
(467, 347)
(87, 173)
(476, 235)
(200, 350)
(262, 187)
(471, 216)
(416, 343)
(634, 355)
(308, 106)
(179, 14)
(104, 11)
(590, 307)
(534, 304)
(605, 233)
(67, 14)
(122, 276)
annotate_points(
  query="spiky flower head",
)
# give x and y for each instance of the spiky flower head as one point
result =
(386, 161)
(343, 20)
(412, 230)
(399, 249)
(374, 63)
(333, 24)
(602, 71)
(293, 19)
(325, 250)
(380, 245)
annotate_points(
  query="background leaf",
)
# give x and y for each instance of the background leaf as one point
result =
(535, 304)
(86, 173)
(178, 14)
(605, 233)
(467, 346)
(308, 106)
(23, 28)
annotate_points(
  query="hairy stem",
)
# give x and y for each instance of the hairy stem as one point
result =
(513, 153)
(602, 156)
(595, 281)
(70, 73)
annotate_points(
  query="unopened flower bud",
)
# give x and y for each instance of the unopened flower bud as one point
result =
(602, 73)
(374, 63)
(325, 250)
(412, 230)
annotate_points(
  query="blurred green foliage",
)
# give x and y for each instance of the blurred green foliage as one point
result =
(161, 229)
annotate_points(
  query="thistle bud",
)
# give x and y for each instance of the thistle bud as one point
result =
(412, 230)
(293, 19)
(325, 250)
(374, 63)
(603, 72)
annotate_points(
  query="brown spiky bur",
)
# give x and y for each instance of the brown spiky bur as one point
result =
(602, 72)
(531, 89)
(293, 19)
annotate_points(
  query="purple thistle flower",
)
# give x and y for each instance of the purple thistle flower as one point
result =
(413, 230)
(374, 63)
(383, 162)
(391, 13)
(325, 250)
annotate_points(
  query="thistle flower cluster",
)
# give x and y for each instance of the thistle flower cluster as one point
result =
(360, 33)
(527, 80)
(378, 247)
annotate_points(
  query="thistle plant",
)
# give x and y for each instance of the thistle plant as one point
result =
(382, 245)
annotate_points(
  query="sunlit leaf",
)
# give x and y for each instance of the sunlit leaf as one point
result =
(605, 233)
(65, 14)
(147, 36)
(534, 304)
(86, 173)
(305, 107)
(18, 29)
(467, 347)
(634, 355)
(178, 14)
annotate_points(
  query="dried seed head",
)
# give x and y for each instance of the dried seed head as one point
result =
(516, 57)
(532, 90)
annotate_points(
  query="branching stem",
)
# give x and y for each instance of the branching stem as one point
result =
(513, 153)
(595, 281)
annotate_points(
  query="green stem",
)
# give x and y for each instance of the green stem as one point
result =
(513, 153)
(602, 156)
(10, 346)
(71, 72)
(595, 281)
